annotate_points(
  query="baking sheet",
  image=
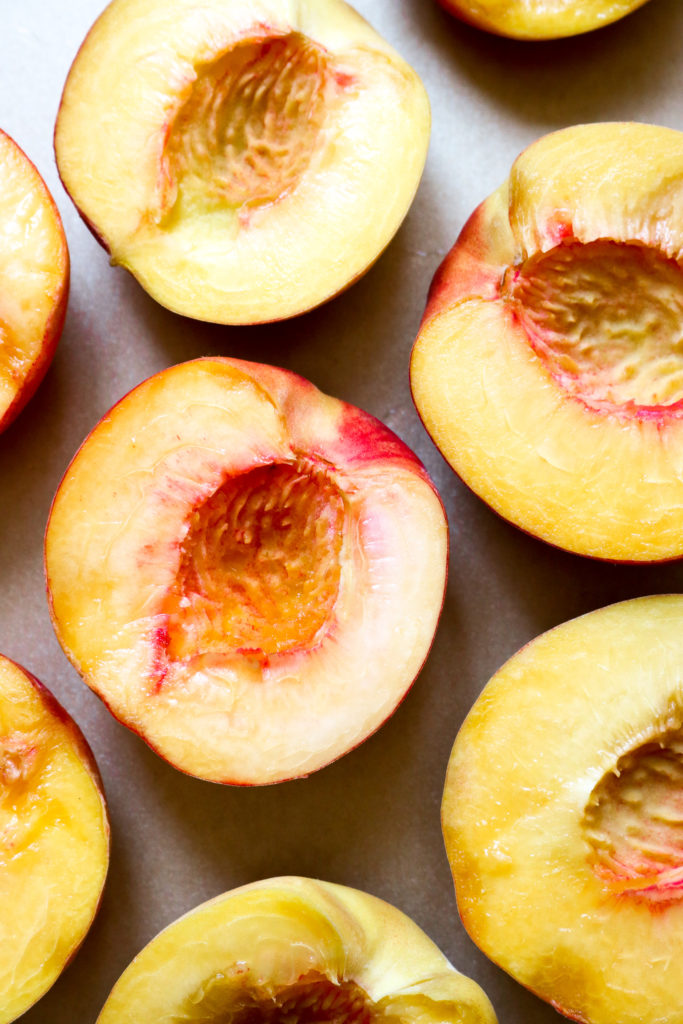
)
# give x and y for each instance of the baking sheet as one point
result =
(372, 819)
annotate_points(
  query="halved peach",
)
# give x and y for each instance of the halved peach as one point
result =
(563, 815)
(549, 364)
(54, 839)
(298, 950)
(540, 19)
(245, 161)
(247, 571)
(34, 279)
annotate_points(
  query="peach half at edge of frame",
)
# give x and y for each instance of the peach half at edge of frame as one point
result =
(257, 166)
(562, 815)
(548, 367)
(540, 19)
(299, 949)
(54, 839)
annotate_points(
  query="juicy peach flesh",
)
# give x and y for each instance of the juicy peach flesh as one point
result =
(549, 364)
(298, 950)
(53, 840)
(540, 19)
(247, 548)
(562, 815)
(34, 279)
(250, 128)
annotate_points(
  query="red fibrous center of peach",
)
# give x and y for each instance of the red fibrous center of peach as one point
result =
(607, 319)
(260, 565)
(250, 125)
(312, 1000)
(634, 822)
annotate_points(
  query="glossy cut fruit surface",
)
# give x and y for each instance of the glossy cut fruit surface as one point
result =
(54, 840)
(548, 366)
(540, 19)
(34, 279)
(245, 161)
(563, 815)
(247, 571)
(299, 950)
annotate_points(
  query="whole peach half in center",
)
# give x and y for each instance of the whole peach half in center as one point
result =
(549, 364)
(247, 571)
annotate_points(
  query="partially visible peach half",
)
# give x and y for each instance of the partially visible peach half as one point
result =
(540, 19)
(563, 815)
(549, 364)
(245, 161)
(34, 279)
(296, 950)
(247, 571)
(54, 839)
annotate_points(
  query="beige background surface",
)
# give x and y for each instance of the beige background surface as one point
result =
(372, 819)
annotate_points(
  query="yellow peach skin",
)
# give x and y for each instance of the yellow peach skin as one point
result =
(245, 161)
(562, 815)
(54, 840)
(548, 367)
(295, 949)
(540, 19)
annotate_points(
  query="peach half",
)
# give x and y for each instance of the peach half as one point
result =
(247, 571)
(34, 279)
(245, 161)
(563, 815)
(54, 839)
(540, 19)
(299, 950)
(549, 364)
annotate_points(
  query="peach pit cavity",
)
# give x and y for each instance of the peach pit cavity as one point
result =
(259, 566)
(607, 320)
(247, 131)
(633, 822)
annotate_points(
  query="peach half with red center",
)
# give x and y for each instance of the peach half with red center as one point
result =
(54, 839)
(245, 161)
(299, 950)
(563, 815)
(549, 364)
(34, 279)
(247, 571)
(540, 19)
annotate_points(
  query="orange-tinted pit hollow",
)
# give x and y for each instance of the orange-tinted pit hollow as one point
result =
(606, 318)
(260, 565)
(247, 131)
(634, 822)
(314, 999)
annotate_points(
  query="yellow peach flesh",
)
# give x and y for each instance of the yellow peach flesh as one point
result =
(562, 814)
(236, 130)
(256, 613)
(53, 840)
(295, 948)
(541, 19)
(549, 366)
(34, 273)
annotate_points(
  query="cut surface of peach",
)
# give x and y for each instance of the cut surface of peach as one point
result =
(540, 19)
(245, 161)
(54, 840)
(549, 364)
(299, 950)
(247, 571)
(34, 279)
(563, 815)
